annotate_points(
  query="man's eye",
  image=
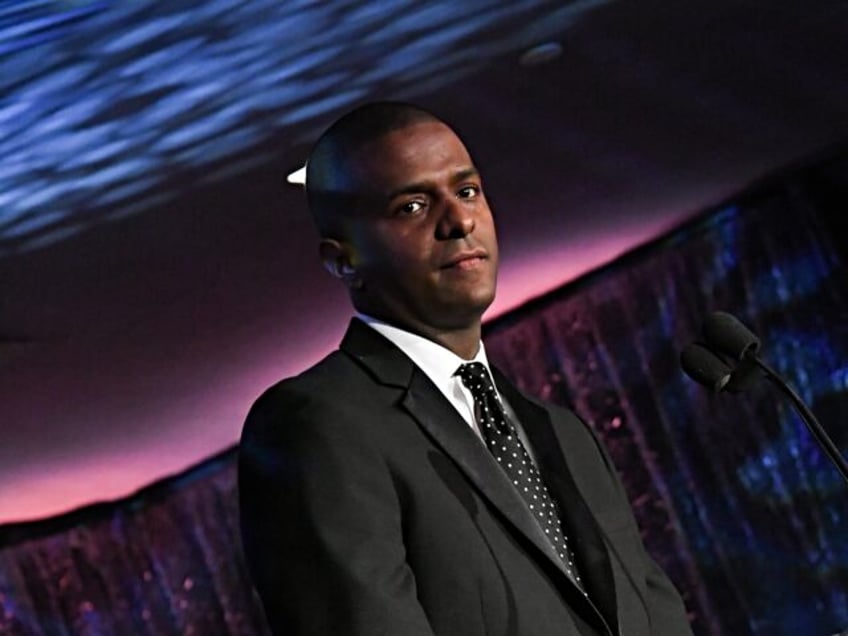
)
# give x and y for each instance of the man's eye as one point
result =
(410, 207)
(468, 192)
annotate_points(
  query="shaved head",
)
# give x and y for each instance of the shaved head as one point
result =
(329, 170)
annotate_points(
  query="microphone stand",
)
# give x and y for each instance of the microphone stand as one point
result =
(806, 414)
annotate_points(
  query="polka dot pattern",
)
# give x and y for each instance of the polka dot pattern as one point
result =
(503, 442)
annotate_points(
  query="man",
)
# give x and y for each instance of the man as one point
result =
(391, 489)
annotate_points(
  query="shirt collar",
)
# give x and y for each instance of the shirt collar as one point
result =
(437, 362)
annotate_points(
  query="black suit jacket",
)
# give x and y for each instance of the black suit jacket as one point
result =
(369, 507)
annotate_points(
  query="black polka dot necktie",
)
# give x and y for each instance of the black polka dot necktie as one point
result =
(503, 442)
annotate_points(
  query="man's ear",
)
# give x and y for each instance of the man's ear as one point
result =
(337, 259)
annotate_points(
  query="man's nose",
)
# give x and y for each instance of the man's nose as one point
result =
(456, 221)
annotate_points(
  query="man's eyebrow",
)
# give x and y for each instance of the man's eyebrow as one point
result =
(468, 173)
(423, 186)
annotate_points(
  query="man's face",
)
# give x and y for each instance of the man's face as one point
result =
(423, 246)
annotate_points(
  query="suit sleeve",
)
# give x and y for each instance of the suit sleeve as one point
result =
(321, 523)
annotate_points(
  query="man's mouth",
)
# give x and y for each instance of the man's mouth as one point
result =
(467, 260)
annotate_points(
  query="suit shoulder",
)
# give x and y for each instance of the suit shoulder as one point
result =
(311, 395)
(310, 382)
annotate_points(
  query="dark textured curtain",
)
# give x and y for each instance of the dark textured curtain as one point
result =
(166, 561)
(735, 500)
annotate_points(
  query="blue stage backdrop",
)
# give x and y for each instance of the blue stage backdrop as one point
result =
(735, 500)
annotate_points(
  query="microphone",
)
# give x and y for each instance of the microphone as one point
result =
(725, 334)
(725, 341)
(726, 360)
(705, 367)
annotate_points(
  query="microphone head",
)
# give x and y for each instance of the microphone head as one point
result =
(744, 376)
(705, 367)
(726, 335)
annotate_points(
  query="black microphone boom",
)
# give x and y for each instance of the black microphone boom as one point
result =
(806, 414)
(727, 341)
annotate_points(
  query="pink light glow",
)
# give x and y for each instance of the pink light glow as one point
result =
(552, 265)
(175, 416)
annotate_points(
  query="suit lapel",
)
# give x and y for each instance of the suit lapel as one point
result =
(436, 416)
(425, 403)
(583, 531)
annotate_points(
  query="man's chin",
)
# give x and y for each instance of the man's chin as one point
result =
(463, 313)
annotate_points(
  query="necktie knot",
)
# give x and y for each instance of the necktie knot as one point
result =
(475, 376)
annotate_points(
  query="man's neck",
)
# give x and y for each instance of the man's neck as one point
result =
(464, 343)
